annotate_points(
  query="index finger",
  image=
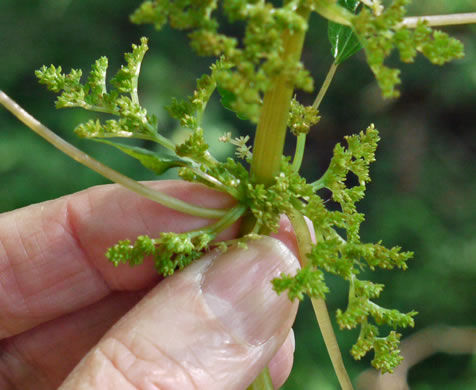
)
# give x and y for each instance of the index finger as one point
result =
(52, 254)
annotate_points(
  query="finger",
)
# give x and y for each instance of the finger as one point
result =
(215, 325)
(281, 364)
(42, 357)
(52, 254)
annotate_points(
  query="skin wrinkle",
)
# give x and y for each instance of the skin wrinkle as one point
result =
(59, 231)
(16, 283)
(66, 228)
(73, 334)
(170, 358)
(104, 350)
(70, 218)
(101, 350)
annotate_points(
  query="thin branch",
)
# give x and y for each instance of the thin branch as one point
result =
(441, 20)
(325, 85)
(103, 170)
(304, 239)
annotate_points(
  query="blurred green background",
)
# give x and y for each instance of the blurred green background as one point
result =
(423, 193)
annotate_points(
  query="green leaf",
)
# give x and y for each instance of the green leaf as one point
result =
(227, 100)
(344, 42)
(150, 160)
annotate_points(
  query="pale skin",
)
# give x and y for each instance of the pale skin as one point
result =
(203, 328)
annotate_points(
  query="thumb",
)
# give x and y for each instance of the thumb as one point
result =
(215, 325)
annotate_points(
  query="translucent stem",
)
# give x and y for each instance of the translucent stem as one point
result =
(111, 174)
(320, 309)
(441, 20)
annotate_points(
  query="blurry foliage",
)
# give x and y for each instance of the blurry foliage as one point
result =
(423, 189)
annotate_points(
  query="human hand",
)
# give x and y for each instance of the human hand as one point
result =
(215, 325)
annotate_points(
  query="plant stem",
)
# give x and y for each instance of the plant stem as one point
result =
(228, 219)
(299, 154)
(103, 170)
(301, 140)
(441, 20)
(271, 132)
(262, 381)
(269, 142)
(320, 309)
(325, 85)
(319, 183)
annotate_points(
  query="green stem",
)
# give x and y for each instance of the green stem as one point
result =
(319, 183)
(228, 219)
(441, 20)
(111, 174)
(160, 139)
(271, 131)
(320, 309)
(299, 154)
(215, 183)
(154, 136)
(269, 142)
(262, 381)
(301, 140)
(325, 85)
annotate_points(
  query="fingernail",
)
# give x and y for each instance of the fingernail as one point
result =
(237, 288)
(293, 339)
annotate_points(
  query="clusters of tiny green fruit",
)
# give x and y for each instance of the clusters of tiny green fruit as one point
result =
(380, 33)
(244, 71)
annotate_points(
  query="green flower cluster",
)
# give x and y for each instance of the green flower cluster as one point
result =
(171, 251)
(302, 118)
(348, 256)
(380, 34)
(256, 60)
(122, 101)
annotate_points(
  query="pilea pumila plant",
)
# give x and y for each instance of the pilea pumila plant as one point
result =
(256, 76)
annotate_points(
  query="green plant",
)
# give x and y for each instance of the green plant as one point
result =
(256, 80)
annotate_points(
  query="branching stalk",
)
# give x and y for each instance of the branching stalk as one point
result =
(441, 20)
(320, 309)
(319, 183)
(103, 170)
